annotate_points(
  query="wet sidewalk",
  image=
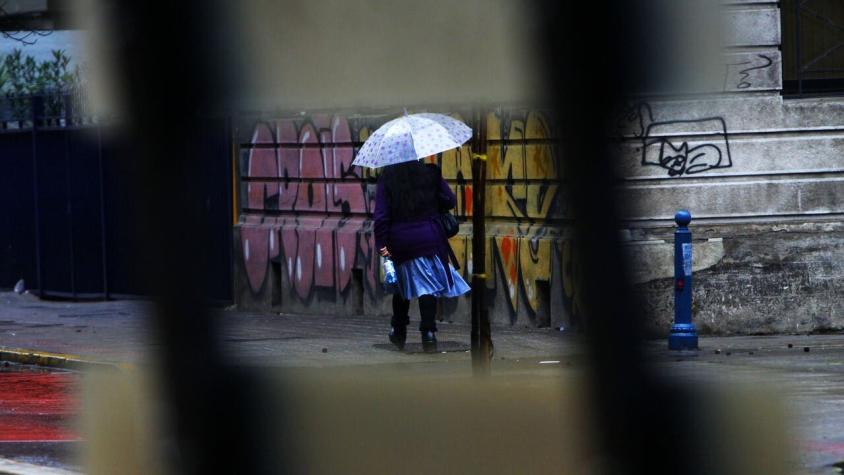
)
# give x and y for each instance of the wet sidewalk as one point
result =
(118, 332)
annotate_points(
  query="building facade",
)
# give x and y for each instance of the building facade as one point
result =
(756, 160)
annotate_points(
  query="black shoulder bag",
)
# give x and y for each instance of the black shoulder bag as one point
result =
(449, 223)
(446, 219)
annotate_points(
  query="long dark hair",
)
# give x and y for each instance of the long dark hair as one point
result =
(411, 188)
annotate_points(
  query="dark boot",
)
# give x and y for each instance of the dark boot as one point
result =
(398, 336)
(398, 332)
(429, 341)
(428, 325)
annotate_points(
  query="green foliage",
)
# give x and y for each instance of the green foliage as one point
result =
(22, 76)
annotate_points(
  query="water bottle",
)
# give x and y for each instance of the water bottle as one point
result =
(390, 278)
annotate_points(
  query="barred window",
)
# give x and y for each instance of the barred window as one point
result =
(813, 46)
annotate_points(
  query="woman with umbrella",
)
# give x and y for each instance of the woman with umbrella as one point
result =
(409, 200)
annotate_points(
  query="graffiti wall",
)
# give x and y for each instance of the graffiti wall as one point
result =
(304, 234)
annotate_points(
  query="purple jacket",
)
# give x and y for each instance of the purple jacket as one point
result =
(409, 239)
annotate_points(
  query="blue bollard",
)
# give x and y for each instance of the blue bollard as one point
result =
(683, 333)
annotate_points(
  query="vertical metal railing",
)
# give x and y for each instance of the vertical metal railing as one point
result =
(69, 214)
(60, 108)
(36, 105)
(103, 240)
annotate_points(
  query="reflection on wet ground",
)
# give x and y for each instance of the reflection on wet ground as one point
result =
(38, 411)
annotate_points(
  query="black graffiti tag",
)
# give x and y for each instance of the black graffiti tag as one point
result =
(661, 147)
(744, 74)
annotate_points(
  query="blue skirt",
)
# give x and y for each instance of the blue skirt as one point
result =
(428, 276)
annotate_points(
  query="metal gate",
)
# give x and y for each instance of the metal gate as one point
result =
(70, 224)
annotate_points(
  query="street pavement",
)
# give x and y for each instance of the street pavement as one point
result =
(805, 373)
(117, 331)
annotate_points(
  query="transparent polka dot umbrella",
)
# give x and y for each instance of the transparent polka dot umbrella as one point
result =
(411, 137)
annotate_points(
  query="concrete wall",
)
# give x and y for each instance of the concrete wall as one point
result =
(764, 179)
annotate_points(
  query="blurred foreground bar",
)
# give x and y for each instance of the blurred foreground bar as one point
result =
(376, 420)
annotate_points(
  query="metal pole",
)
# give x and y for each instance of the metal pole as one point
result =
(103, 244)
(37, 107)
(69, 212)
(233, 147)
(232, 134)
(683, 333)
(481, 334)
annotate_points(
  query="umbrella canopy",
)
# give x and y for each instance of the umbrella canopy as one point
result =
(411, 137)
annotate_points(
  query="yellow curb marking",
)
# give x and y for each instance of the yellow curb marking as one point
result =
(61, 360)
